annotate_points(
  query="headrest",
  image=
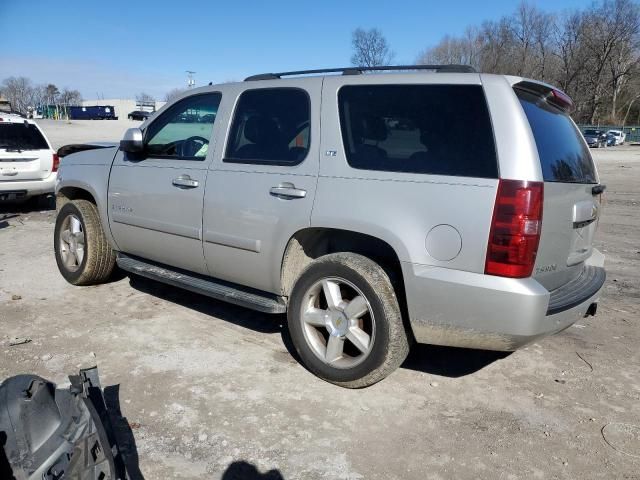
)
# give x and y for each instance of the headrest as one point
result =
(371, 127)
(260, 129)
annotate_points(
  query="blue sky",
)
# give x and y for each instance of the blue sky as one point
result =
(118, 48)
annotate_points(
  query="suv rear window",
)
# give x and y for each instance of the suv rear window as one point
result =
(564, 157)
(429, 129)
(21, 136)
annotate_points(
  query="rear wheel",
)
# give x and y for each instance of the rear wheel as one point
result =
(83, 254)
(345, 321)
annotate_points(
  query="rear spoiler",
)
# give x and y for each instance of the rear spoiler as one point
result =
(551, 94)
(81, 147)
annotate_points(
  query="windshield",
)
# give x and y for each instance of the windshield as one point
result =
(564, 157)
(21, 136)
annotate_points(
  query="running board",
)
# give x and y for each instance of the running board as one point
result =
(218, 289)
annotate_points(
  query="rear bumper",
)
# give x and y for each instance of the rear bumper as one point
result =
(464, 309)
(31, 187)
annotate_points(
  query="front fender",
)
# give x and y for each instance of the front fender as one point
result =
(88, 172)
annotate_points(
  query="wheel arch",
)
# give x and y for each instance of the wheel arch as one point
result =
(67, 193)
(310, 243)
(74, 190)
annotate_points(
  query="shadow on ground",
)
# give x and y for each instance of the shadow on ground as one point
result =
(12, 209)
(122, 432)
(449, 361)
(243, 317)
(432, 359)
(6, 472)
(245, 471)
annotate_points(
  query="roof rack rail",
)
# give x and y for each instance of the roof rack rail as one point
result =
(452, 68)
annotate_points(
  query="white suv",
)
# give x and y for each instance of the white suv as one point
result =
(28, 164)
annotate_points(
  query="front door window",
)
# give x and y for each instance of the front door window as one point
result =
(184, 130)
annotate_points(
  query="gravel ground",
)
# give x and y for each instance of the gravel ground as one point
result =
(207, 385)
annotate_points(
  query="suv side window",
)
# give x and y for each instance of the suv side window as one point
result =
(184, 130)
(429, 129)
(270, 126)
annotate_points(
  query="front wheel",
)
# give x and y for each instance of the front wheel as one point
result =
(83, 254)
(345, 321)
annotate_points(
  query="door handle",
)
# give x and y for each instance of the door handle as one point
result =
(287, 190)
(184, 181)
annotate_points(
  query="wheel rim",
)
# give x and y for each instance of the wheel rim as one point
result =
(338, 322)
(71, 243)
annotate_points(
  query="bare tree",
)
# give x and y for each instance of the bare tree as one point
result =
(593, 54)
(51, 93)
(611, 27)
(173, 94)
(19, 92)
(370, 48)
(145, 98)
(497, 46)
(70, 97)
(569, 49)
(453, 50)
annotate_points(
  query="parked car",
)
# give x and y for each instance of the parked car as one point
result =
(28, 164)
(595, 138)
(369, 240)
(619, 136)
(138, 115)
(611, 140)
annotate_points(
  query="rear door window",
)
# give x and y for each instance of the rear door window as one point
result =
(270, 126)
(564, 156)
(428, 129)
(21, 136)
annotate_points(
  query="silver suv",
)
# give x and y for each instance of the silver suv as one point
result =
(442, 206)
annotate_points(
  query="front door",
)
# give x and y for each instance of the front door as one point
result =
(155, 198)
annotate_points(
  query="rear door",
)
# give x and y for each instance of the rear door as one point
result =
(155, 198)
(25, 154)
(571, 209)
(262, 185)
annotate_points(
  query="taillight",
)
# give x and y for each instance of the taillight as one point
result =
(515, 229)
(56, 163)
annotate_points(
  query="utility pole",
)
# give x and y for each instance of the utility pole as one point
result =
(190, 80)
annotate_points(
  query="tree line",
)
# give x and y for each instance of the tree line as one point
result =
(24, 96)
(592, 54)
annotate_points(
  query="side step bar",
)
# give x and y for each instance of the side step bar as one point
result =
(218, 289)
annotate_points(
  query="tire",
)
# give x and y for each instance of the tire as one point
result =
(79, 220)
(356, 276)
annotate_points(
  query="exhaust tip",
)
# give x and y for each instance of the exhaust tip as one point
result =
(591, 311)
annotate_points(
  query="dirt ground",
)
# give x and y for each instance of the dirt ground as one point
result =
(206, 385)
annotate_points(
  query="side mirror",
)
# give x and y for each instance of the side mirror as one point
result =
(132, 141)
